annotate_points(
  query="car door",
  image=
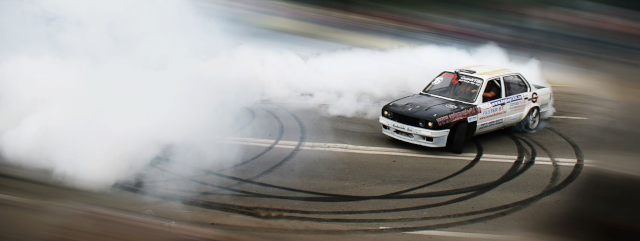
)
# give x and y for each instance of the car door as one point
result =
(493, 109)
(516, 91)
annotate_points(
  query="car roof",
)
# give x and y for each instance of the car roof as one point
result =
(486, 71)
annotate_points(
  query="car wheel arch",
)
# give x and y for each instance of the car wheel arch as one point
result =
(526, 116)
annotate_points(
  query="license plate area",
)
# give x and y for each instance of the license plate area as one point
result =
(402, 133)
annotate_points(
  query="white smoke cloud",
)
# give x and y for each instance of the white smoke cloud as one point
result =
(358, 81)
(94, 90)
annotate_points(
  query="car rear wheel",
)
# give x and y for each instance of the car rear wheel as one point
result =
(531, 122)
(457, 137)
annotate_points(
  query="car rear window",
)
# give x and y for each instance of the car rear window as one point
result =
(514, 85)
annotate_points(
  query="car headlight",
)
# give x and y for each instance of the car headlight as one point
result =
(387, 114)
(422, 123)
(430, 124)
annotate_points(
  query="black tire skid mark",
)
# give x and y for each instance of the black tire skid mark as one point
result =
(467, 167)
(555, 175)
(470, 165)
(273, 144)
(257, 212)
(244, 162)
(291, 155)
(260, 211)
(138, 189)
(529, 163)
(509, 208)
(328, 197)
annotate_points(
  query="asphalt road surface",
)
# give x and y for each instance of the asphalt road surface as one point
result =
(302, 172)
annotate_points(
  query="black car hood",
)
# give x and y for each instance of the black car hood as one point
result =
(425, 106)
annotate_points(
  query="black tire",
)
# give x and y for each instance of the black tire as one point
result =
(457, 137)
(531, 121)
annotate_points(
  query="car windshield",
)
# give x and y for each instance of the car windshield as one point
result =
(455, 86)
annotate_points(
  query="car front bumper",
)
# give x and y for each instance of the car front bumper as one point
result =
(412, 134)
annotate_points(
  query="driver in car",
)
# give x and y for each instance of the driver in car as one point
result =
(492, 92)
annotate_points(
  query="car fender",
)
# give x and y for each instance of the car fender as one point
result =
(471, 126)
(542, 99)
(532, 103)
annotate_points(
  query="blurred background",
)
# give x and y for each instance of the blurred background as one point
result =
(589, 51)
(575, 30)
(590, 47)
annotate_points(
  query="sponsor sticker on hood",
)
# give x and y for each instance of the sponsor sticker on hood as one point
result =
(458, 115)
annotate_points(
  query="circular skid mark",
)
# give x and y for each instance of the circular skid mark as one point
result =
(511, 173)
(291, 155)
(523, 162)
(503, 209)
(269, 148)
(330, 197)
(279, 136)
(242, 181)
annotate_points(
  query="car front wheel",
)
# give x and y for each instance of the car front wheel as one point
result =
(457, 138)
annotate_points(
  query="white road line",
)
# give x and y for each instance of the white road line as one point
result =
(568, 117)
(334, 147)
(465, 235)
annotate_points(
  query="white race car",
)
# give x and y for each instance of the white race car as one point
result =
(465, 102)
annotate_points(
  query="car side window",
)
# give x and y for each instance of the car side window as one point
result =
(514, 85)
(493, 90)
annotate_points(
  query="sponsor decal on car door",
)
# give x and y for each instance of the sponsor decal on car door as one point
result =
(494, 113)
(516, 110)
